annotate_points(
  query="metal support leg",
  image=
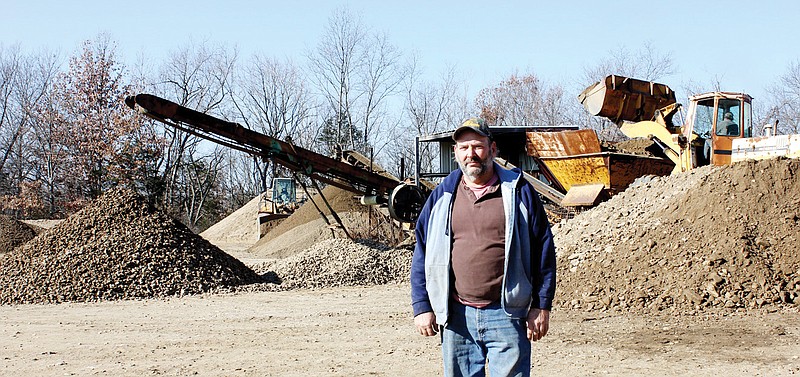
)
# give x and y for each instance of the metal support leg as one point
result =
(333, 213)
(311, 198)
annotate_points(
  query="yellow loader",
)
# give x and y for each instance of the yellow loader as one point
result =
(718, 126)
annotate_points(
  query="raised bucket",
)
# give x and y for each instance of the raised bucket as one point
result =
(620, 98)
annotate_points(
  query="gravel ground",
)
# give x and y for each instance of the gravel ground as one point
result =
(365, 331)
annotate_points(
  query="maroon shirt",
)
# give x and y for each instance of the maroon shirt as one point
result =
(478, 255)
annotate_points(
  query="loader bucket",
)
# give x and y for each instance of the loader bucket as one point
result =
(575, 160)
(620, 98)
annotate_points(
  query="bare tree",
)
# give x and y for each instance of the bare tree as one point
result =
(10, 130)
(381, 79)
(241, 180)
(273, 99)
(32, 88)
(199, 180)
(430, 107)
(783, 104)
(25, 81)
(334, 67)
(356, 72)
(199, 77)
(49, 155)
(646, 63)
(522, 100)
(555, 108)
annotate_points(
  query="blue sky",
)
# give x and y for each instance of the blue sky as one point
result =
(744, 45)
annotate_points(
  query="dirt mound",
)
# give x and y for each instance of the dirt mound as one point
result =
(14, 233)
(292, 235)
(339, 262)
(117, 248)
(637, 146)
(241, 226)
(716, 238)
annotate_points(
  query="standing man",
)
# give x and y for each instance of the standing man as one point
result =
(484, 267)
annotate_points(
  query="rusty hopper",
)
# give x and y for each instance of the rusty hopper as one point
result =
(576, 164)
(621, 98)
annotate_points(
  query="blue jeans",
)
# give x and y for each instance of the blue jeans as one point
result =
(473, 336)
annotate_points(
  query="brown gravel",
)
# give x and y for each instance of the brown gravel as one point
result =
(637, 146)
(717, 239)
(117, 248)
(14, 233)
(340, 200)
(339, 262)
(241, 226)
(305, 227)
(121, 248)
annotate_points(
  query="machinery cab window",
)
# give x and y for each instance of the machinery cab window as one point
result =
(728, 117)
(747, 120)
(704, 118)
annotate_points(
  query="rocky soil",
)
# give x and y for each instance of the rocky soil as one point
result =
(117, 248)
(14, 233)
(122, 248)
(717, 239)
(339, 262)
(637, 146)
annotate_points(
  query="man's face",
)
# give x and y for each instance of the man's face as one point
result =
(474, 154)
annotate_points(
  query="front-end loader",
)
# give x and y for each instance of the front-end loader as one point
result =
(718, 126)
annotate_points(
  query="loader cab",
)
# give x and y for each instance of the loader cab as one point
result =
(714, 120)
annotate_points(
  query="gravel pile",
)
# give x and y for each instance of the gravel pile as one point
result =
(339, 262)
(241, 226)
(715, 239)
(341, 201)
(305, 227)
(13, 233)
(117, 248)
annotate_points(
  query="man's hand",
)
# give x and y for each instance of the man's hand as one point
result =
(538, 323)
(426, 323)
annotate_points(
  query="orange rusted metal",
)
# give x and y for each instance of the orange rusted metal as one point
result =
(620, 98)
(577, 162)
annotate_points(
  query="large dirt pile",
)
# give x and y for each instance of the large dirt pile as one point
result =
(714, 239)
(339, 262)
(305, 227)
(14, 233)
(241, 226)
(637, 146)
(117, 248)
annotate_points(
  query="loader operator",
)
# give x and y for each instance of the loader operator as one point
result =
(727, 127)
(483, 274)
